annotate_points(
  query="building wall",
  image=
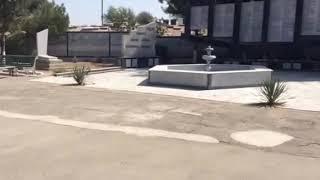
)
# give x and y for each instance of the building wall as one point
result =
(275, 29)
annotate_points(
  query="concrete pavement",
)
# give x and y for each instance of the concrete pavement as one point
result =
(31, 149)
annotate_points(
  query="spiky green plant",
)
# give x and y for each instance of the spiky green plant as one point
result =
(272, 92)
(80, 73)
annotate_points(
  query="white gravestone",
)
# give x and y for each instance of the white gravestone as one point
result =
(42, 42)
(43, 59)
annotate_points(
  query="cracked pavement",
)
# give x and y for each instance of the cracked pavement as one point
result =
(90, 154)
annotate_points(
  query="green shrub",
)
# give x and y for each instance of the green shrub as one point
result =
(80, 73)
(272, 92)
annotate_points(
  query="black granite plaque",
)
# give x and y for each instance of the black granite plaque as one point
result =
(223, 20)
(251, 21)
(199, 17)
(311, 17)
(282, 20)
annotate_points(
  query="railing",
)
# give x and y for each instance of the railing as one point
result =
(19, 61)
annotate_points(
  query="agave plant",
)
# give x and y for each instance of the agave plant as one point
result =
(272, 92)
(80, 73)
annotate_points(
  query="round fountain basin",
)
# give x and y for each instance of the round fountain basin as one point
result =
(219, 76)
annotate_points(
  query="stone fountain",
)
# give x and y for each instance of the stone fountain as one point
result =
(209, 76)
(209, 57)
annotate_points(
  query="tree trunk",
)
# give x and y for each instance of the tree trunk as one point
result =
(1, 43)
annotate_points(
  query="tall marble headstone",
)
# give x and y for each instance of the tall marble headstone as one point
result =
(42, 42)
(44, 61)
(141, 42)
(282, 20)
(223, 20)
(311, 17)
(251, 21)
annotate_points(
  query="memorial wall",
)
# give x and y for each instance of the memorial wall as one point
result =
(223, 20)
(140, 42)
(282, 20)
(284, 29)
(311, 18)
(251, 21)
(88, 44)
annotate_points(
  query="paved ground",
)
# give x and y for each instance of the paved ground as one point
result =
(37, 151)
(135, 80)
(31, 147)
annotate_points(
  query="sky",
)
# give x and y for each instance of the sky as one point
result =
(88, 12)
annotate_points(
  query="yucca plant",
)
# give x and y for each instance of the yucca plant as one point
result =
(80, 73)
(272, 92)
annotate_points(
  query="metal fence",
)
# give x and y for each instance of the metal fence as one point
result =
(19, 61)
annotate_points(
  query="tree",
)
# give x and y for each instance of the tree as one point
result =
(120, 17)
(144, 18)
(175, 7)
(30, 17)
(7, 14)
(11, 12)
(48, 15)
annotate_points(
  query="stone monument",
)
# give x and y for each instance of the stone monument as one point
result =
(138, 48)
(44, 61)
(141, 42)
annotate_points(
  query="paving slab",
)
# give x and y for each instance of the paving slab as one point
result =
(261, 138)
(136, 80)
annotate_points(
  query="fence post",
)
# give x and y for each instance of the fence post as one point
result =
(67, 44)
(110, 44)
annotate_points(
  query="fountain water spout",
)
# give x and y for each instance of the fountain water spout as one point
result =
(209, 57)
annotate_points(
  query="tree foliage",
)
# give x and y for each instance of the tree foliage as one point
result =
(175, 7)
(144, 18)
(48, 15)
(12, 12)
(24, 18)
(120, 17)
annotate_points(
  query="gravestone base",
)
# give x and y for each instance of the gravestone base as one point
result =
(131, 62)
(47, 62)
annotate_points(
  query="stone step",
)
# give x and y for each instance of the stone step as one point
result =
(93, 71)
(70, 66)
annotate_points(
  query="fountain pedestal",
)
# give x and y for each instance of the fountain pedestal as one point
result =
(209, 58)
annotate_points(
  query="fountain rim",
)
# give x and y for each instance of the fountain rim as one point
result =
(253, 68)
